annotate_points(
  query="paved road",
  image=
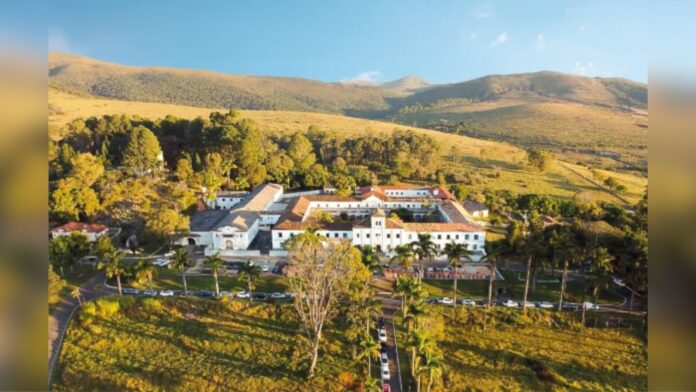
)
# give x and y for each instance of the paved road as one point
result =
(389, 308)
(62, 313)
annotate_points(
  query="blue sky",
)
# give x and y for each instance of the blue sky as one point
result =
(441, 41)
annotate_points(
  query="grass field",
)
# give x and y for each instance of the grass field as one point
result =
(544, 351)
(195, 345)
(171, 279)
(495, 165)
(478, 289)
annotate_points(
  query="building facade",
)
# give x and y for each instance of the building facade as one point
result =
(92, 230)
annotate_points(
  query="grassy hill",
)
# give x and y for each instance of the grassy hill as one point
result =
(494, 165)
(576, 116)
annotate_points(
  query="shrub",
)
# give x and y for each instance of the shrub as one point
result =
(89, 309)
(107, 307)
(152, 304)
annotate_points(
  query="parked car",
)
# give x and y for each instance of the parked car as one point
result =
(260, 296)
(166, 293)
(446, 301)
(529, 304)
(385, 373)
(265, 268)
(384, 359)
(511, 304)
(570, 307)
(162, 262)
(380, 323)
(132, 291)
(382, 335)
(242, 294)
(386, 388)
(590, 306)
(468, 302)
(617, 281)
(89, 260)
(204, 293)
(277, 295)
(225, 294)
(545, 305)
(383, 350)
(150, 293)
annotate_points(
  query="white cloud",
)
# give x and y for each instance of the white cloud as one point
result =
(541, 41)
(585, 69)
(502, 38)
(367, 77)
(483, 11)
(58, 42)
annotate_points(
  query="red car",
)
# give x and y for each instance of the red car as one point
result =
(386, 388)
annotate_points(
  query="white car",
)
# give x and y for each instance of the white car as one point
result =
(545, 305)
(590, 306)
(447, 301)
(242, 294)
(384, 360)
(385, 373)
(618, 282)
(278, 296)
(529, 305)
(150, 293)
(511, 304)
(265, 268)
(166, 293)
(382, 336)
(468, 302)
(162, 262)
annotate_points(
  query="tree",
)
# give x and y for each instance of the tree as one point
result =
(184, 170)
(301, 151)
(415, 310)
(456, 253)
(55, 286)
(213, 174)
(369, 257)
(419, 342)
(403, 255)
(248, 271)
(86, 170)
(77, 294)
(424, 248)
(539, 159)
(601, 267)
(321, 273)
(59, 253)
(369, 348)
(142, 154)
(102, 246)
(251, 154)
(144, 272)
(164, 222)
(432, 366)
(182, 260)
(214, 262)
(113, 266)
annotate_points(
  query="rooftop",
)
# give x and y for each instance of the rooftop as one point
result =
(80, 226)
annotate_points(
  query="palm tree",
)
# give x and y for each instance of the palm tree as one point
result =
(249, 271)
(214, 262)
(419, 342)
(369, 348)
(144, 272)
(372, 384)
(455, 254)
(371, 308)
(432, 366)
(77, 294)
(113, 265)
(182, 260)
(424, 248)
(369, 257)
(403, 255)
(600, 269)
(402, 286)
(531, 247)
(416, 310)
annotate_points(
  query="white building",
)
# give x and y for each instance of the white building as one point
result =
(227, 200)
(225, 231)
(91, 230)
(365, 219)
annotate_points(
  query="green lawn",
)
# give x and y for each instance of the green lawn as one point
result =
(171, 279)
(542, 351)
(478, 289)
(170, 344)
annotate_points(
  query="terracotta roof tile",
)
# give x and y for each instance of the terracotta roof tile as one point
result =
(80, 226)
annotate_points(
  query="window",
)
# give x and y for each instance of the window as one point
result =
(398, 235)
(357, 235)
(280, 235)
(466, 236)
(388, 235)
(439, 236)
(367, 235)
(292, 234)
(345, 235)
(475, 246)
(456, 236)
(476, 236)
(378, 223)
(448, 236)
(335, 235)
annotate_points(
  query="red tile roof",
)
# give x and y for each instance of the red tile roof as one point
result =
(79, 226)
